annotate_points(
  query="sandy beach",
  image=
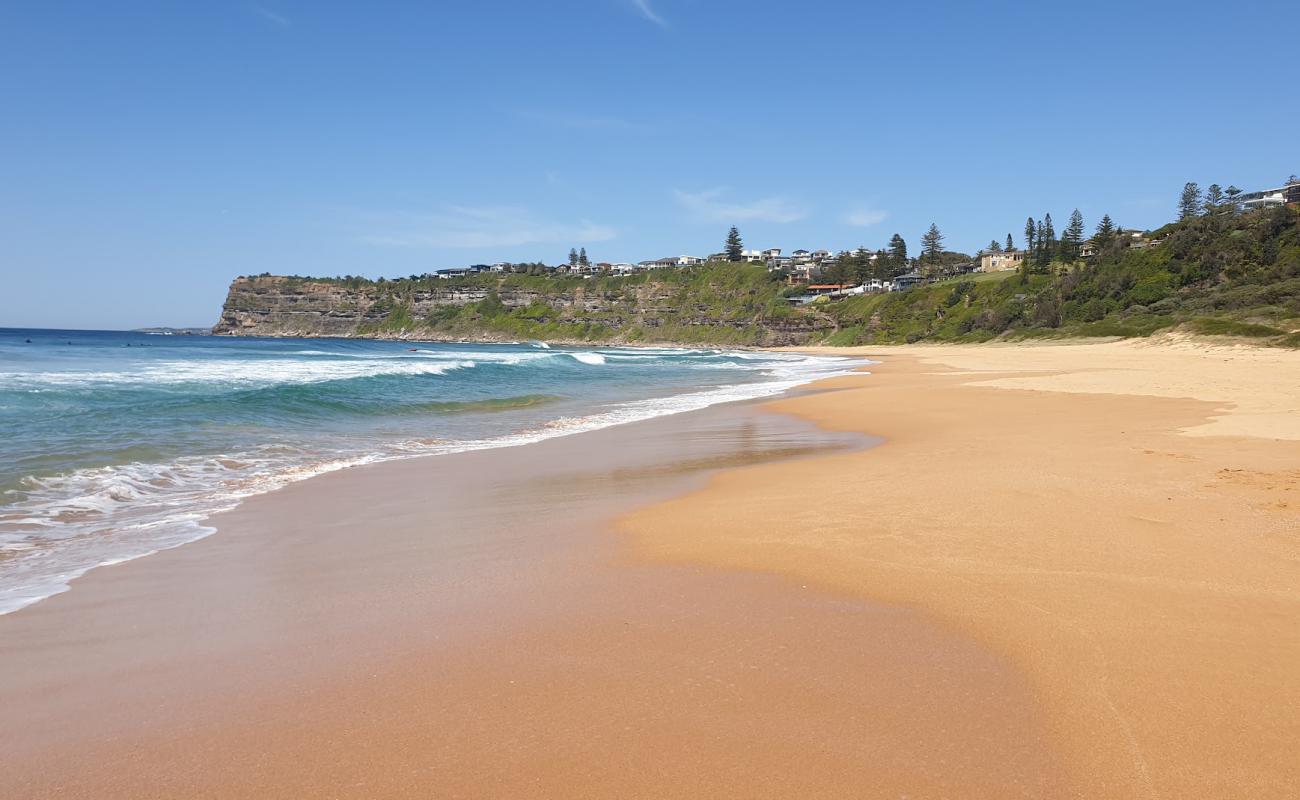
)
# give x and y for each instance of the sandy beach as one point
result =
(1120, 521)
(996, 571)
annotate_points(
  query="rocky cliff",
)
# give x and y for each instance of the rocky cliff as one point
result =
(719, 305)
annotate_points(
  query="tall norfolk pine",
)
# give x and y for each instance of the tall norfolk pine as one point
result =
(734, 248)
(1189, 203)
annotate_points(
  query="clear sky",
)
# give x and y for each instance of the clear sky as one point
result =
(151, 151)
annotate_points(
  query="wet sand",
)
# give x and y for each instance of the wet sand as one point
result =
(1119, 521)
(472, 626)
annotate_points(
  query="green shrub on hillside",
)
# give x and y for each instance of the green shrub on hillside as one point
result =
(1213, 274)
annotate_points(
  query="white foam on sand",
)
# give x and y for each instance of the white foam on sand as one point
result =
(66, 525)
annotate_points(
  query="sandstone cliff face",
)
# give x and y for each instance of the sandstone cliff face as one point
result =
(300, 307)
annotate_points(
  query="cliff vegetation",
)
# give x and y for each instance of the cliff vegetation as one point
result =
(1222, 274)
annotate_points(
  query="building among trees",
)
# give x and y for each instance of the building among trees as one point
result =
(1289, 193)
(1001, 262)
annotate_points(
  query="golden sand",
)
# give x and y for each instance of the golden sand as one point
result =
(1121, 521)
(466, 627)
(1067, 571)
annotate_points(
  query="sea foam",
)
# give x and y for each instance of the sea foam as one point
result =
(55, 527)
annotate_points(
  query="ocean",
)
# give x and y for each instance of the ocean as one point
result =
(115, 445)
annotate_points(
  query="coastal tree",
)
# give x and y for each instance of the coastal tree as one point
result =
(1010, 245)
(573, 257)
(1031, 231)
(1231, 194)
(582, 257)
(1105, 232)
(897, 251)
(931, 244)
(882, 267)
(862, 264)
(1189, 202)
(994, 247)
(839, 272)
(1213, 199)
(1073, 236)
(1048, 243)
(734, 249)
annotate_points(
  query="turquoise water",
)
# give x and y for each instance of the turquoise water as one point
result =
(115, 445)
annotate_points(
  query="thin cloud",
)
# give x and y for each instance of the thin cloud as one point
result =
(479, 227)
(643, 7)
(865, 217)
(268, 14)
(579, 122)
(708, 206)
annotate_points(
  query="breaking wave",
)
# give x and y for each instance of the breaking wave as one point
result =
(114, 459)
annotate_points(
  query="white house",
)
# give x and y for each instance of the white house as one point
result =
(1267, 197)
(1271, 197)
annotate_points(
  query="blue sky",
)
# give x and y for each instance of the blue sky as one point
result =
(154, 150)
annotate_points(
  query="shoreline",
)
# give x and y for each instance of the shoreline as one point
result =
(777, 616)
(187, 528)
(231, 645)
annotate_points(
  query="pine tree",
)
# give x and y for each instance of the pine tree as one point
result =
(861, 264)
(994, 247)
(582, 257)
(897, 251)
(734, 249)
(1230, 195)
(1073, 236)
(1030, 232)
(1105, 232)
(931, 244)
(1189, 203)
(573, 257)
(1010, 245)
(882, 267)
(1213, 199)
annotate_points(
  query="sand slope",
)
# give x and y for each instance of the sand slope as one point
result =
(1121, 520)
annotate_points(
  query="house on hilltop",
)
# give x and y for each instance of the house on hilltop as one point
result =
(904, 282)
(1001, 262)
(1283, 195)
(672, 261)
